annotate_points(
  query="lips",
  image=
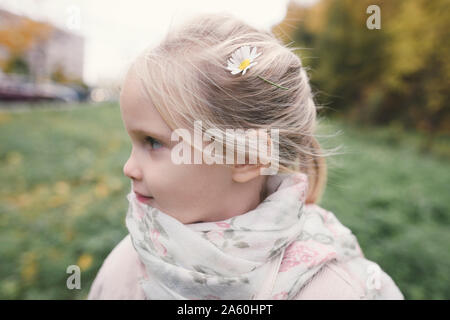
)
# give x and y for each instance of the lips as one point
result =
(142, 198)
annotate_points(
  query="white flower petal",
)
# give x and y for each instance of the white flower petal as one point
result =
(253, 53)
(246, 52)
(238, 56)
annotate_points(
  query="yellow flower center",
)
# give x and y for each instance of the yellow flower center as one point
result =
(244, 64)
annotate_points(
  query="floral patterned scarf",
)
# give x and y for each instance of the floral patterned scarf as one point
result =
(267, 253)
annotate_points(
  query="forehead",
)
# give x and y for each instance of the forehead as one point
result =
(138, 112)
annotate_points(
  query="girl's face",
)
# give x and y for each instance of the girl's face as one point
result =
(188, 192)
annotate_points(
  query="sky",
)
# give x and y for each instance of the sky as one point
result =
(115, 32)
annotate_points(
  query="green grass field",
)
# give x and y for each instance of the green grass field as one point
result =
(62, 200)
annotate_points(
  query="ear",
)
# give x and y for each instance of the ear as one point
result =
(245, 172)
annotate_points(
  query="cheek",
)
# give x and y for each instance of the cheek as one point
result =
(184, 182)
(186, 187)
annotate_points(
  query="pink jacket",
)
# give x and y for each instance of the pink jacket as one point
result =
(118, 280)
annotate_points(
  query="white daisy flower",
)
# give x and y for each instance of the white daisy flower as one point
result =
(242, 59)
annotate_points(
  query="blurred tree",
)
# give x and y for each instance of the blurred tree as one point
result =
(419, 74)
(400, 73)
(16, 64)
(58, 75)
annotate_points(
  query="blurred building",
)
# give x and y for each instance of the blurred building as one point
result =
(47, 49)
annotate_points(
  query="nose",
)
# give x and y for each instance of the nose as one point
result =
(131, 170)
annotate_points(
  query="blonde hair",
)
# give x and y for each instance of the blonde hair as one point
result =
(186, 79)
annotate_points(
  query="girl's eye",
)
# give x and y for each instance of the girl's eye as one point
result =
(153, 142)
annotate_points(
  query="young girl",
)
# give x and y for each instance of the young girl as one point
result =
(228, 230)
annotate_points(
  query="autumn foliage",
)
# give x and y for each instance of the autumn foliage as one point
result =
(399, 74)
